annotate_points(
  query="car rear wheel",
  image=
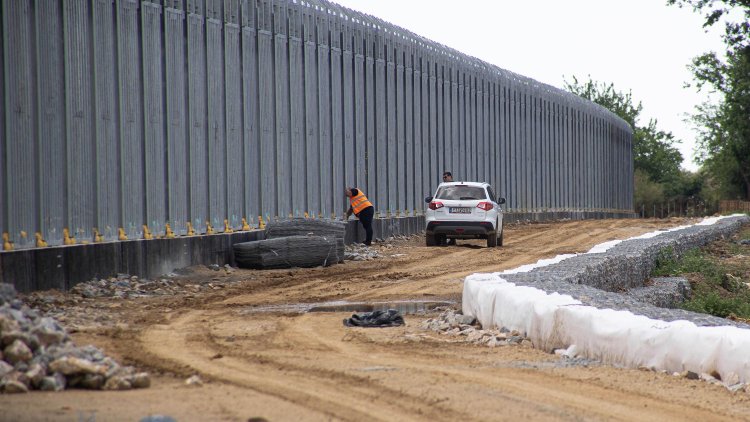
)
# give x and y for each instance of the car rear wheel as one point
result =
(492, 240)
(430, 240)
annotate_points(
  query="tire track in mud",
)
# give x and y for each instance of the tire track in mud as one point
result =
(436, 272)
(311, 361)
(338, 386)
(440, 270)
(525, 390)
(321, 390)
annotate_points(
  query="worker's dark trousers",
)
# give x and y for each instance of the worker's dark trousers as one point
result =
(365, 217)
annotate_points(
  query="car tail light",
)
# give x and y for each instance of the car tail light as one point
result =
(435, 205)
(485, 206)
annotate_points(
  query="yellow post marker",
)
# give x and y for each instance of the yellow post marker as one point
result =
(7, 244)
(190, 230)
(168, 233)
(40, 243)
(227, 229)
(245, 226)
(97, 236)
(67, 240)
(209, 229)
(147, 233)
(121, 234)
(261, 223)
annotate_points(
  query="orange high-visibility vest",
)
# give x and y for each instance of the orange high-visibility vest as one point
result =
(359, 202)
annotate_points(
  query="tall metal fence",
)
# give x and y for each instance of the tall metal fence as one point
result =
(124, 114)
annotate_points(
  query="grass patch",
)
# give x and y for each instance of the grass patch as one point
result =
(718, 274)
(712, 303)
(693, 261)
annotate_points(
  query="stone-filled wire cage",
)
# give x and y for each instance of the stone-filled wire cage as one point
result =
(122, 116)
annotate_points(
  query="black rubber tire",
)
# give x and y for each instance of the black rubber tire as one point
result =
(492, 240)
(430, 240)
(502, 233)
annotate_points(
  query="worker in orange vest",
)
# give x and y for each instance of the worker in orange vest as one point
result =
(363, 209)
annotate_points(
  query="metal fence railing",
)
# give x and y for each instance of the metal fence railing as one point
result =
(120, 117)
(734, 206)
(677, 208)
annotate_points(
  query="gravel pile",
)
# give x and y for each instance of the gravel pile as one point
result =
(359, 252)
(598, 279)
(37, 353)
(455, 324)
(452, 323)
(125, 286)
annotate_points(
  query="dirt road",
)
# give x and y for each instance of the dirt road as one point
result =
(279, 364)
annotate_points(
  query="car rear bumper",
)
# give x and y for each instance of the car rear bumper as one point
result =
(468, 229)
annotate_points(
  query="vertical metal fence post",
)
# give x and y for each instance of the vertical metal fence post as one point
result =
(204, 110)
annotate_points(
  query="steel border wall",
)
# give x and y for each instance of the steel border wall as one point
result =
(126, 113)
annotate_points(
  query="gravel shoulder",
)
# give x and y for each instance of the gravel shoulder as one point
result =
(253, 361)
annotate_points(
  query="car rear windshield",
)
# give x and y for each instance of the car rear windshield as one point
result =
(461, 192)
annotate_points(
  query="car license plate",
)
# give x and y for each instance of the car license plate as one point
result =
(459, 210)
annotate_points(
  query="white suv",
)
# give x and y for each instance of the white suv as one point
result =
(464, 210)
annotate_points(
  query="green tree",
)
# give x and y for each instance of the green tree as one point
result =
(724, 128)
(653, 150)
(647, 193)
(736, 31)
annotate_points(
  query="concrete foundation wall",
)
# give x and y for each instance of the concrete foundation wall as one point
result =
(62, 267)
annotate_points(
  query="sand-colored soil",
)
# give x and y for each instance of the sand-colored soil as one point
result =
(288, 366)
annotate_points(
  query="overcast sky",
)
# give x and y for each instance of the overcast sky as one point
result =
(641, 46)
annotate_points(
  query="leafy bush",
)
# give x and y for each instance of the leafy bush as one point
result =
(717, 291)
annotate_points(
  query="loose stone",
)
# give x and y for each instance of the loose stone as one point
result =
(17, 352)
(117, 382)
(5, 368)
(141, 380)
(194, 380)
(55, 382)
(35, 374)
(12, 387)
(73, 365)
(92, 382)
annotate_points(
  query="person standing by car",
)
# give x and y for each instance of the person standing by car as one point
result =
(363, 209)
(448, 177)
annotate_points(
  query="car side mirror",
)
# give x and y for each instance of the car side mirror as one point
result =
(428, 199)
(501, 201)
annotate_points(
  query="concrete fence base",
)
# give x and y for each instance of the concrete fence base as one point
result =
(62, 267)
